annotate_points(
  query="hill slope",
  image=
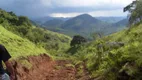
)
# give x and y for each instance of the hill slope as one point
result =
(123, 22)
(20, 25)
(116, 57)
(118, 26)
(18, 46)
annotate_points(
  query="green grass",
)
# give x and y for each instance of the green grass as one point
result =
(18, 46)
(22, 38)
(109, 61)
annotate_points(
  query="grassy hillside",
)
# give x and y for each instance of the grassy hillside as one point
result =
(22, 26)
(18, 46)
(115, 57)
(53, 42)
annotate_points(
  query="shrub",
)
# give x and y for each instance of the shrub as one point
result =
(77, 40)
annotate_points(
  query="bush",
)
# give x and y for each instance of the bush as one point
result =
(77, 40)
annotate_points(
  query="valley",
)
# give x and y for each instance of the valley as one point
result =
(82, 47)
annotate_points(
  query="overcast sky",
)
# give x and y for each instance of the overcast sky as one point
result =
(65, 8)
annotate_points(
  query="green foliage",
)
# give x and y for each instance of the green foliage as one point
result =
(96, 35)
(18, 46)
(24, 21)
(76, 43)
(135, 9)
(20, 25)
(77, 40)
(115, 57)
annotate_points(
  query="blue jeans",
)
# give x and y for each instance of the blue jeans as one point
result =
(5, 77)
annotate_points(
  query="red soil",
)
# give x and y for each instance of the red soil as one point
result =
(44, 68)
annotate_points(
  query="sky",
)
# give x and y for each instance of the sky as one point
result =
(65, 8)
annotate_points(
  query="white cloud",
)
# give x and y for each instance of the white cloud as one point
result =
(93, 13)
(64, 14)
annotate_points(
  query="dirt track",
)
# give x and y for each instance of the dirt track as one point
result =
(44, 68)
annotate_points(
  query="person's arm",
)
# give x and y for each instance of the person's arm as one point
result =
(5, 57)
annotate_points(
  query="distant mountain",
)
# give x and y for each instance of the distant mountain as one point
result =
(118, 26)
(110, 19)
(84, 24)
(62, 18)
(53, 23)
(81, 21)
(123, 22)
(43, 20)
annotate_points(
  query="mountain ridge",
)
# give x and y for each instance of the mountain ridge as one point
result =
(84, 25)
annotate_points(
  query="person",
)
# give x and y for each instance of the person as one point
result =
(5, 56)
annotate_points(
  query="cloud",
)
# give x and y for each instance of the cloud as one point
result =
(116, 13)
(33, 8)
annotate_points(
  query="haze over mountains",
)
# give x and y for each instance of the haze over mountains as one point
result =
(83, 24)
(110, 19)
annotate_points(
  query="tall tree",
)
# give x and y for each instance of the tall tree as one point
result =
(135, 10)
